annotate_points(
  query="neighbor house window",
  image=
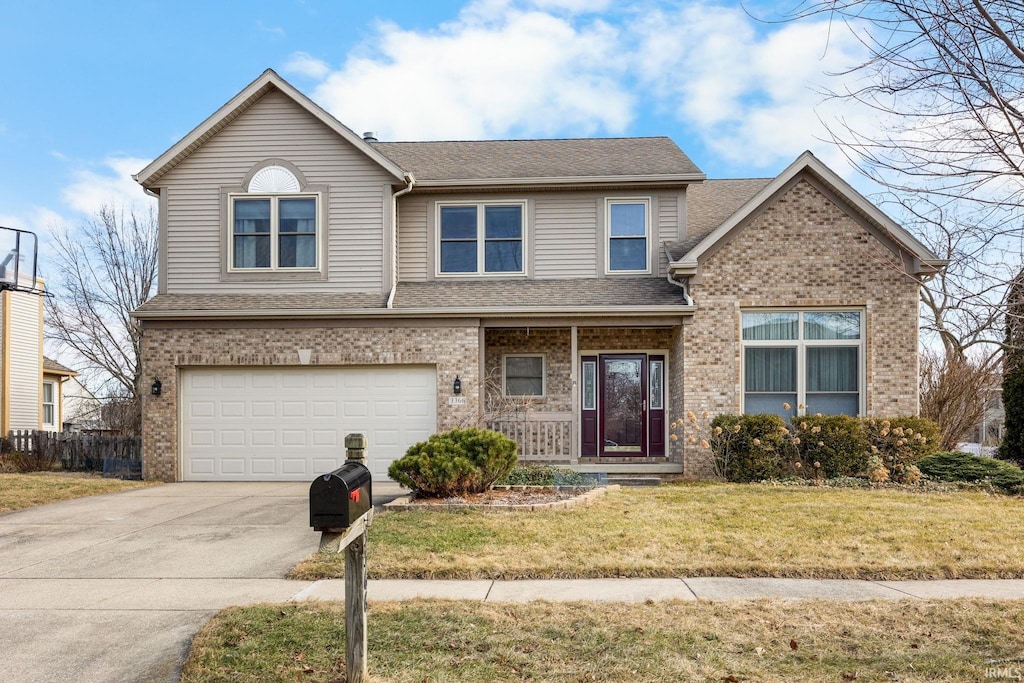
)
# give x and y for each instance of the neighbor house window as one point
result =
(273, 232)
(628, 231)
(49, 404)
(808, 358)
(481, 238)
(524, 375)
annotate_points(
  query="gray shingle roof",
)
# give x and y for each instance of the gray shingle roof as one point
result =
(512, 294)
(505, 159)
(710, 203)
(52, 366)
(248, 302)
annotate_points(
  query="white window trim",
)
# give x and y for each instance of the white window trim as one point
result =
(53, 404)
(608, 203)
(801, 345)
(543, 375)
(480, 239)
(274, 231)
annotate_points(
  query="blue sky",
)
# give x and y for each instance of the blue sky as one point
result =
(91, 92)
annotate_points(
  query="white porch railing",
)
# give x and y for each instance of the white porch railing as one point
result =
(541, 436)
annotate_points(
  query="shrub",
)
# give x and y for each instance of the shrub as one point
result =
(960, 466)
(836, 442)
(749, 447)
(533, 474)
(456, 462)
(900, 442)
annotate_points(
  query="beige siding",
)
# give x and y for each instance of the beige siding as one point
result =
(566, 236)
(412, 238)
(26, 373)
(275, 127)
(666, 228)
(565, 231)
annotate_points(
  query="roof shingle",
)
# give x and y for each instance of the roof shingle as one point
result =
(512, 294)
(568, 158)
(710, 203)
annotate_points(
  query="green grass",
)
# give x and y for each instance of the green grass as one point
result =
(707, 530)
(18, 491)
(425, 641)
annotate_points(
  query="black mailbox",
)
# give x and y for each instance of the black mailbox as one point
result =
(339, 498)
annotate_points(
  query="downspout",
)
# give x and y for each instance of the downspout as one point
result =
(410, 181)
(684, 285)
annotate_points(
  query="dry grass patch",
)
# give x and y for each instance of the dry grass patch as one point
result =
(707, 530)
(658, 642)
(18, 491)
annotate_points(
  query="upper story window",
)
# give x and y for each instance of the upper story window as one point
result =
(481, 238)
(274, 226)
(803, 358)
(628, 235)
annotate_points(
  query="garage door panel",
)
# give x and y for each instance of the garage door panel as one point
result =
(288, 423)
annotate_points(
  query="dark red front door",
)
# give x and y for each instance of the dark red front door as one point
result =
(622, 405)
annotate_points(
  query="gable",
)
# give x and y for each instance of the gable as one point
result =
(917, 258)
(268, 82)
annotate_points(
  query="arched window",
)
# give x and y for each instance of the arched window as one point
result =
(274, 225)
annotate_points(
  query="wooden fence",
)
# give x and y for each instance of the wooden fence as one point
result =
(113, 455)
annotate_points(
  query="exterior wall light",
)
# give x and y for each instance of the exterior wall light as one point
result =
(457, 386)
(156, 388)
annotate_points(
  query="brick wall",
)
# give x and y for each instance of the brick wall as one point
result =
(165, 350)
(803, 251)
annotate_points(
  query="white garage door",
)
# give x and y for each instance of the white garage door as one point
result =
(289, 424)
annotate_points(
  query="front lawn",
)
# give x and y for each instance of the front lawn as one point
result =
(18, 491)
(707, 530)
(961, 640)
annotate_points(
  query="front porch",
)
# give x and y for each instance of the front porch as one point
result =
(596, 398)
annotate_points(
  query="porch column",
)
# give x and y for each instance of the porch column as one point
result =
(574, 449)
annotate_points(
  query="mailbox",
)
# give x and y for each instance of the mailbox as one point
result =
(339, 498)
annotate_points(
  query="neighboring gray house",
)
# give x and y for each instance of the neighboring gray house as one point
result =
(577, 294)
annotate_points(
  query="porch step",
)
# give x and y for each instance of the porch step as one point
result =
(633, 480)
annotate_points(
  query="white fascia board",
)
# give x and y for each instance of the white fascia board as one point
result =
(688, 263)
(240, 102)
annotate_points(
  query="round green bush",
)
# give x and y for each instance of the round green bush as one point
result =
(836, 442)
(960, 466)
(455, 462)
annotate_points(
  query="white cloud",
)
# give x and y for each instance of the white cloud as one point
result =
(112, 185)
(753, 93)
(496, 71)
(304, 64)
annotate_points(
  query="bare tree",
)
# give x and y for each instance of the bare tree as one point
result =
(955, 393)
(946, 79)
(105, 269)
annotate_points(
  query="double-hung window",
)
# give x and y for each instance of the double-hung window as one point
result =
(628, 231)
(481, 238)
(49, 405)
(803, 358)
(273, 232)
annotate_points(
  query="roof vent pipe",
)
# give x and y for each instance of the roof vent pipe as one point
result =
(370, 136)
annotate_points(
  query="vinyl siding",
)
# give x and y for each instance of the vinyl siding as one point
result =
(25, 371)
(275, 127)
(564, 231)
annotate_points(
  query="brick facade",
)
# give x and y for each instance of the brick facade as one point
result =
(167, 349)
(802, 251)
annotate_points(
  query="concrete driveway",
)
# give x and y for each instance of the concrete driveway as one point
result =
(112, 588)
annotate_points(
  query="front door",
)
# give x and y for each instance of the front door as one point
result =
(622, 405)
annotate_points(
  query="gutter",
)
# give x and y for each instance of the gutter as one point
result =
(684, 285)
(454, 312)
(410, 182)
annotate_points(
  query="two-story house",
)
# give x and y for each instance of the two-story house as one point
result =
(577, 294)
